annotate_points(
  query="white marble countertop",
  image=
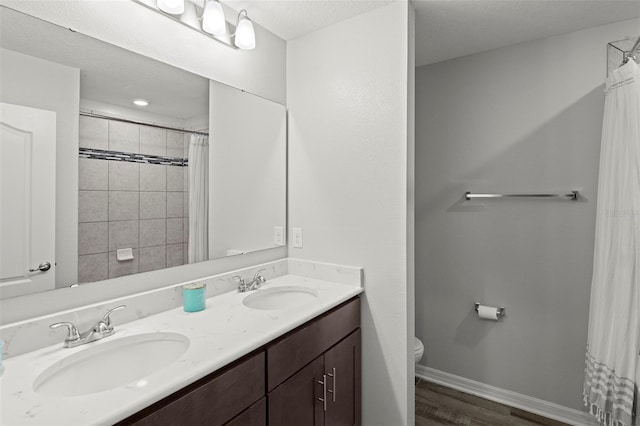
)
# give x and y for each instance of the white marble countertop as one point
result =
(225, 331)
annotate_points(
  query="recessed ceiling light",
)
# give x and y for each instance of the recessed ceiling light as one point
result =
(141, 102)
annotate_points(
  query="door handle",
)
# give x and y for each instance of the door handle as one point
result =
(43, 267)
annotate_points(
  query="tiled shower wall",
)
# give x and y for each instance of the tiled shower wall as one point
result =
(131, 205)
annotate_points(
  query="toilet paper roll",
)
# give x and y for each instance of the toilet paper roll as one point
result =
(488, 312)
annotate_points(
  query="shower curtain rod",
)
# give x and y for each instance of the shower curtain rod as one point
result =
(157, 126)
(632, 53)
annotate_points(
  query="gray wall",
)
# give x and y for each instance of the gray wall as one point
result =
(521, 118)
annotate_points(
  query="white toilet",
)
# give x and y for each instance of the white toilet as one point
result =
(418, 349)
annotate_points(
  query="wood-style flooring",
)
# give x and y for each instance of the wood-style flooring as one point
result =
(439, 405)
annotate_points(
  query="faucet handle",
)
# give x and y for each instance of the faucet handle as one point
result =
(239, 278)
(106, 319)
(258, 277)
(73, 333)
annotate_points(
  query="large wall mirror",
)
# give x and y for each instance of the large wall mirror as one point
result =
(95, 186)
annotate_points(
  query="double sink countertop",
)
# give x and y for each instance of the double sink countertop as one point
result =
(222, 333)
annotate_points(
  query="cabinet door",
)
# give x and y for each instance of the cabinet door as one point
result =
(342, 367)
(295, 402)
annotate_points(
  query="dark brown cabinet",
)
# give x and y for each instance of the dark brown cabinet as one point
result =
(295, 402)
(310, 376)
(313, 373)
(342, 367)
(325, 392)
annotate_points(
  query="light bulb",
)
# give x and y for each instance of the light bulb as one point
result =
(141, 102)
(213, 20)
(245, 34)
(174, 7)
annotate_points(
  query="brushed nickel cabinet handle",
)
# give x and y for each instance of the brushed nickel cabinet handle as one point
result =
(324, 391)
(333, 377)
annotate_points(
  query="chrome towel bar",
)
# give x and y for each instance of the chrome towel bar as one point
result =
(573, 195)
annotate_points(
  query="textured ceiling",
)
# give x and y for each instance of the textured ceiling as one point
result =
(447, 29)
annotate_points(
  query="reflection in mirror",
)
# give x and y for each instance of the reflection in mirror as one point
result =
(132, 186)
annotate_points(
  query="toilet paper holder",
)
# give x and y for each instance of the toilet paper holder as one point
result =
(501, 310)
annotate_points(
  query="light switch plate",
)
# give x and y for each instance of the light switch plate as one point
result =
(297, 237)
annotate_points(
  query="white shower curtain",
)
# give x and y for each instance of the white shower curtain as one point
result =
(614, 321)
(198, 198)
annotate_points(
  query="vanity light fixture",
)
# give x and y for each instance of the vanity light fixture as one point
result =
(174, 7)
(141, 102)
(207, 17)
(213, 20)
(245, 36)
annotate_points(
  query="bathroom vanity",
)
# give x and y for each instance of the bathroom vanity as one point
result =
(287, 353)
(310, 376)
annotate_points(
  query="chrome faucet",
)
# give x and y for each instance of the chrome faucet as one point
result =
(100, 330)
(255, 283)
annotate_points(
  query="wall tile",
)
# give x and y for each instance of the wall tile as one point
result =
(123, 234)
(153, 232)
(93, 174)
(153, 177)
(185, 248)
(185, 208)
(123, 205)
(185, 230)
(185, 181)
(92, 206)
(94, 133)
(175, 178)
(93, 267)
(175, 204)
(121, 268)
(123, 137)
(175, 255)
(92, 238)
(187, 140)
(175, 144)
(153, 141)
(123, 176)
(153, 205)
(152, 258)
(174, 231)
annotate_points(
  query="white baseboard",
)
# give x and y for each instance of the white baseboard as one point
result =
(507, 397)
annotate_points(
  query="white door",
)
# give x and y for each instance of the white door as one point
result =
(27, 200)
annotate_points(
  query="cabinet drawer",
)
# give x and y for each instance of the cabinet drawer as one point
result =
(296, 349)
(213, 400)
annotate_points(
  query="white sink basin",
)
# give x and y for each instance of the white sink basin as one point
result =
(111, 364)
(278, 298)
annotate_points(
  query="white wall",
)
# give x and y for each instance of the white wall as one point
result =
(260, 71)
(522, 118)
(37, 83)
(247, 170)
(348, 182)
